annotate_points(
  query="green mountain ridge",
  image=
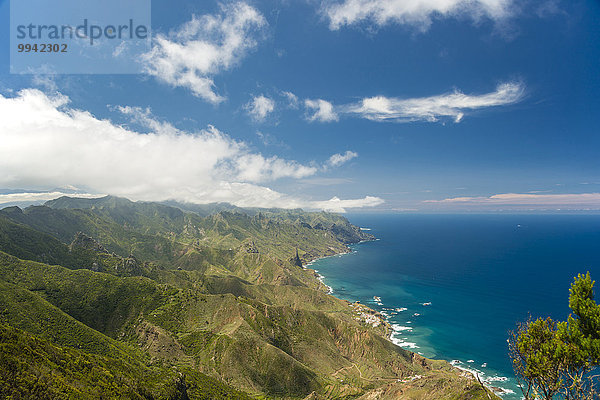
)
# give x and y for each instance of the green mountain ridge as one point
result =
(193, 305)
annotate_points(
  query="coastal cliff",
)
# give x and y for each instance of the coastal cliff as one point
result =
(146, 300)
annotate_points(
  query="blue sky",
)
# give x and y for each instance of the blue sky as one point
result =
(344, 105)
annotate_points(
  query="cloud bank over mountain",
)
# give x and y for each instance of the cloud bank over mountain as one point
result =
(48, 144)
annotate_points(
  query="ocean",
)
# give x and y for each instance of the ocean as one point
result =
(453, 286)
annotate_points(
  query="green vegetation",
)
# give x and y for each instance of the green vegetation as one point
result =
(557, 359)
(31, 367)
(145, 300)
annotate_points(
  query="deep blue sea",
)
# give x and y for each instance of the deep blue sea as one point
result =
(453, 286)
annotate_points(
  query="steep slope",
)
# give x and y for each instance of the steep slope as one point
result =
(29, 244)
(84, 252)
(147, 218)
(156, 232)
(32, 367)
(63, 358)
(120, 238)
(101, 301)
(217, 295)
(297, 342)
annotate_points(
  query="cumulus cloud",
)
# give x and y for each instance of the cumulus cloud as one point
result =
(259, 107)
(321, 110)
(338, 159)
(416, 13)
(46, 143)
(453, 105)
(567, 200)
(192, 55)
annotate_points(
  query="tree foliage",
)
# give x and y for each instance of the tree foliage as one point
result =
(557, 359)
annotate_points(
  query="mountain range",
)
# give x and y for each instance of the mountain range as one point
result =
(109, 298)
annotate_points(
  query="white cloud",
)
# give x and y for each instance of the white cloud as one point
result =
(291, 98)
(47, 144)
(201, 48)
(416, 13)
(38, 197)
(338, 205)
(269, 140)
(144, 117)
(338, 159)
(256, 168)
(45, 81)
(453, 105)
(259, 107)
(528, 199)
(322, 110)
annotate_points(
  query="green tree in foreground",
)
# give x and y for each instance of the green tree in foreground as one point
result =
(557, 359)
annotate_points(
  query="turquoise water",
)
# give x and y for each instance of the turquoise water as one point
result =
(453, 286)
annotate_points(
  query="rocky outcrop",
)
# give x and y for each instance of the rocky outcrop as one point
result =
(85, 242)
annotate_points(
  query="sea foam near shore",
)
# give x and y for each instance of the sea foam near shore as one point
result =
(402, 331)
(465, 266)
